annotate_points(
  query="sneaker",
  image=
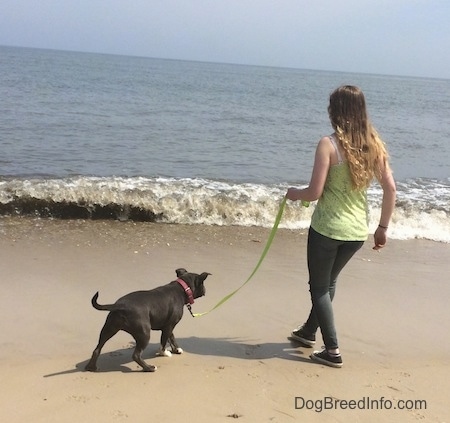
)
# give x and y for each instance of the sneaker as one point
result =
(323, 357)
(302, 336)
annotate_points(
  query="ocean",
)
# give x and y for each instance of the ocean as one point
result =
(96, 136)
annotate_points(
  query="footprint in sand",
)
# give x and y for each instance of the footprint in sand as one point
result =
(78, 398)
(250, 349)
(118, 414)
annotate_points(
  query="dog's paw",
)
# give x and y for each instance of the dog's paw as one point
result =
(178, 351)
(150, 368)
(91, 368)
(164, 353)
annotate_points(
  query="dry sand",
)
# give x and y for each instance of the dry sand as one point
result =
(391, 310)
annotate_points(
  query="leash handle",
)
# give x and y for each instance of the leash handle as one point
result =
(263, 255)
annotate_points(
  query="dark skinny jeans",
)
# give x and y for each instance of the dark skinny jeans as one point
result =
(326, 258)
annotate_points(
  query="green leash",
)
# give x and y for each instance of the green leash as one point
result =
(263, 255)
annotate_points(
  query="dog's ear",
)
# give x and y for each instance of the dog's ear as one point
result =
(203, 276)
(180, 272)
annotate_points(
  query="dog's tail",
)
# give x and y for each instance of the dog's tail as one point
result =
(95, 304)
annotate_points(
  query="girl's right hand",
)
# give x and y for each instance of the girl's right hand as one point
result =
(292, 194)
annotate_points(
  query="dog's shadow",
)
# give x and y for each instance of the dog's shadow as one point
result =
(119, 360)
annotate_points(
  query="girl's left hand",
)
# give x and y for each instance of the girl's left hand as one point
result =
(379, 238)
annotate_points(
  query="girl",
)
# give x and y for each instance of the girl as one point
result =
(345, 164)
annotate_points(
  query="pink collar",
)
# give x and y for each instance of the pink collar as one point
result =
(187, 290)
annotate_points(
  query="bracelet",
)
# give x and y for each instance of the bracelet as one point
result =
(382, 227)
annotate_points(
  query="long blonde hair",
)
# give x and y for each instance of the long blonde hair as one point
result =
(364, 150)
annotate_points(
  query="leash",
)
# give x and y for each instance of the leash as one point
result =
(263, 255)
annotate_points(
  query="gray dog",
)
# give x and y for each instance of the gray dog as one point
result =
(140, 312)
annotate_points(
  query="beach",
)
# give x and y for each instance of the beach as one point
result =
(118, 170)
(391, 315)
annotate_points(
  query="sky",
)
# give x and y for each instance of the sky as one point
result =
(388, 37)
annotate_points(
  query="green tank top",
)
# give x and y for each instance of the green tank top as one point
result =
(341, 212)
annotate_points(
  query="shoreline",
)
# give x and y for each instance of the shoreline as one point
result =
(391, 311)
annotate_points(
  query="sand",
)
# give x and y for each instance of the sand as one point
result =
(391, 310)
